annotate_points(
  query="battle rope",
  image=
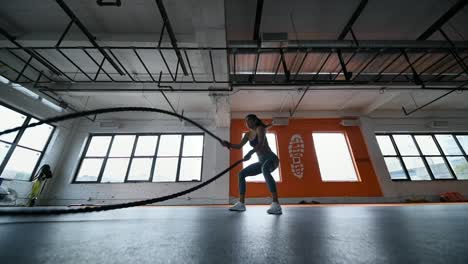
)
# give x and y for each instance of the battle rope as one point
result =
(89, 209)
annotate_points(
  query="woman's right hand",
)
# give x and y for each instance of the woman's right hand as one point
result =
(226, 144)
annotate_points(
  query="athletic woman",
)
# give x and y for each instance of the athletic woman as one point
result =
(268, 162)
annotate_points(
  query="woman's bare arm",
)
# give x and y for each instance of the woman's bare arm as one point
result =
(242, 143)
(261, 133)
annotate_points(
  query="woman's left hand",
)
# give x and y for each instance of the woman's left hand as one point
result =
(249, 155)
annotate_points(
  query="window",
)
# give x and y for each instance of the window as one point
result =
(419, 157)
(117, 158)
(271, 138)
(21, 151)
(334, 158)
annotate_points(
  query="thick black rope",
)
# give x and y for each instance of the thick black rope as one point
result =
(89, 209)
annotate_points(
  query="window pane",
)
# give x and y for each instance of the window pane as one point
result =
(3, 150)
(193, 146)
(140, 169)
(190, 169)
(386, 146)
(10, 119)
(427, 145)
(271, 138)
(122, 146)
(36, 137)
(165, 170)
(169, 145)
(146, 145)
(439, 168)
(98, 146)
(463, 142)
(416, 169)
(332, 149)
(21, 164)
(448, 144)
(405, 145)
(395, 169)
(460, 167)
(89, 170)
(115, 170)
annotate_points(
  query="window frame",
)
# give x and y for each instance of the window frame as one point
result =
(350, 151)
(277, 154)
(17, 139)
(132, 156)
(423, 156)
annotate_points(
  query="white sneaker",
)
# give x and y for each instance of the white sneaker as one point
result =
(237, 207)
(275, 208)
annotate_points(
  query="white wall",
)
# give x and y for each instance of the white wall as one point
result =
(397, 190)
(52, 155)
(69, 139)
(61, 191)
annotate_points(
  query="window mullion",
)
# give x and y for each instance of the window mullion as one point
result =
(203, 149)
(399, 156)
(180, 157)
(153, 164)
(14, 144)
(82, 158)
(444, 156)
(104, 162)
(132, 155)
(461, 148)
(428, 168)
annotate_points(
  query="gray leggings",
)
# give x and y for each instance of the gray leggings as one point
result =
(267, 164)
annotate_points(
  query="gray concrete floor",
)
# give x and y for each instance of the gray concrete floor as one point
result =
(310, 234)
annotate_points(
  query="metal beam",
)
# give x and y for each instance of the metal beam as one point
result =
(285, 68)
(454, 52)
(416, 78)
(265, 88)
(28, 50)
(64, 33)
(291, 113)
(24, 68)
(144, 65)
(321, 66)
(343, 65)
(443, 19)
(74, 64)
(300, 65)
(190, 66)
(170, 32)
(15, 70)
(32, 66)
(212, 67)
(353, 19)
(121, 65)
(258, 21)
(459, 88)
(57, 69)
(367, 64)
(346, 64)
(99, 65)
(90, 37)
(314, 46)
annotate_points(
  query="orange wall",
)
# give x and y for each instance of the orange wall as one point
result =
(311, 184)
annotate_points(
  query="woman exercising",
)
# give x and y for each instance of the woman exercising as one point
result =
(268, 162)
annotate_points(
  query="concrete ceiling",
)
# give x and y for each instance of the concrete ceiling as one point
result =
(364, 102)
(136, 17)
(325, 19)
(209, 23)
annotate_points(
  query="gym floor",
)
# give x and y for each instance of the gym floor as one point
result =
(429, 233)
